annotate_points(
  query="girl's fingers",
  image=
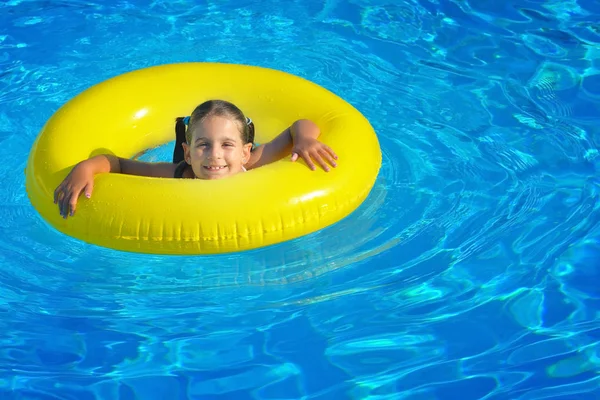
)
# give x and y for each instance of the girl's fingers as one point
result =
(72, 204)
(61, 205)
(57, 193)
(89, 188)
(75, 197)
(306, 156)
(330, 151)
(66, 204)
(320, 160)
(322, 155)
(328, 157)
(67, 198)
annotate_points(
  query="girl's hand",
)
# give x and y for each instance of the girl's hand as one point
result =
(81, 178)
(311, 149)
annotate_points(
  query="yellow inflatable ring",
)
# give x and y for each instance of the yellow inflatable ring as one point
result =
(135, 111)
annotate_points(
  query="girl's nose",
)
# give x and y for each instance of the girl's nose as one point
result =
(216, 152)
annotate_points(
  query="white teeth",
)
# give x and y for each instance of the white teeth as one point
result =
(214, 168)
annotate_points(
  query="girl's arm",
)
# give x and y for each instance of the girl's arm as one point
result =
(81, 177)
(301, 140)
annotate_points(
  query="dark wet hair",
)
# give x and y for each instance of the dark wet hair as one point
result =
(207, 109)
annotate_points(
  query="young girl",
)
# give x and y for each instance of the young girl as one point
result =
(218, 143)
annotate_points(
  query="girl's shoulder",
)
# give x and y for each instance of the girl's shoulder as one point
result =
(182, 170)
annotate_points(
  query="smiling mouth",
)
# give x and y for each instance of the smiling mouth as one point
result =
(215, 167)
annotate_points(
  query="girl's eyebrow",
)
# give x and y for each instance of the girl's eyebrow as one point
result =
(223, 139)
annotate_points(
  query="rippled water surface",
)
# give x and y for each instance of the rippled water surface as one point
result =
(471, 271)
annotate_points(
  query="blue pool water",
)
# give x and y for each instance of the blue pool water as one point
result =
(471, 271)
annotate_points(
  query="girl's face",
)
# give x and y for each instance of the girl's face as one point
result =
(216, 150)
